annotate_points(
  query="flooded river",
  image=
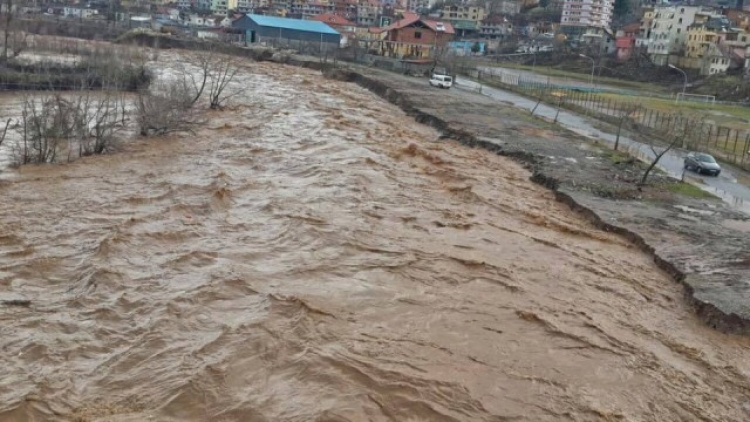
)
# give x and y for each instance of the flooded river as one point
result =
(311, 254)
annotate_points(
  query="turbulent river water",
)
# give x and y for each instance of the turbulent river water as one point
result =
(312, 254)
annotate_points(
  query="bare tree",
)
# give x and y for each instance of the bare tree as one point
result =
(677, 136)
(214, 74)
(46, 123)
(5, 131)
(223, 71)
(196, 81)
(51, 125)
(625, 112)
(14, 39)
(99, 118)
(167, 108)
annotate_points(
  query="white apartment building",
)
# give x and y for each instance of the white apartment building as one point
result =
(220, 7)
(581, 16)
(419, 5)
(368, 12)
(248, 6)
(665, 31)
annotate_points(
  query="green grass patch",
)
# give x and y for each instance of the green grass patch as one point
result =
(582, 77)
(726, 115)
(618, 157)
(689, 190)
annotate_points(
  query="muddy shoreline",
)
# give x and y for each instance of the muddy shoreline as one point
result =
(713, 313)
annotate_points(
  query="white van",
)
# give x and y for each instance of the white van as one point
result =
(441, 81)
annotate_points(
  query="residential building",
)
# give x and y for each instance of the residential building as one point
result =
(667, 30)
(465, 19)
(415, 37)
(316, 8)
(79, 12)
(739, 18)
(625, 39)
(581, 17)
(418, 6)
(368, 12)
(709, 45)
(507, 7)
(339, 23)
(496, 27)
(221, 7)
(472, 13)
(345, 8)
(250, 6)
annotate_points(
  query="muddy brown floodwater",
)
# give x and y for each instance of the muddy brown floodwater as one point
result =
(312, 254)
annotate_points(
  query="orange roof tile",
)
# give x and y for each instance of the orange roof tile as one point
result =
(331, 19)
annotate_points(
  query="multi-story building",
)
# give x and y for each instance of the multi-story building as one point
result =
(465, 19)
(713, 45)
(507, 7)
(221, 7)
(581, 17)
(666, 30)
(368, 12)
(345, 8)
(419, 6)
(496, 27)
(251, 6)
(472, 13)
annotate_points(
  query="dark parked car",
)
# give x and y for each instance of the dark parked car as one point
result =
(702, 163)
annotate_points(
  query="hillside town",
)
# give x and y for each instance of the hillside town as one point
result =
(710, 38)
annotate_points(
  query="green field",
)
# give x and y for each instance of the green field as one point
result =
(581, 76)
(725, 115)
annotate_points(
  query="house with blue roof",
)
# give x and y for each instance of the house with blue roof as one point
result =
(304, 35)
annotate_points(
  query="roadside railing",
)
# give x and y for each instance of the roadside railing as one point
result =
(699, 132)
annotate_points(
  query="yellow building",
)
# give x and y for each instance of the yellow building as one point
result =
(699, 39)
(463, 13)
(704, 51)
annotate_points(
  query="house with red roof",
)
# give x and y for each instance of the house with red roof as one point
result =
(343, 26)
(625, 40)
(339, 23)
(415, 37)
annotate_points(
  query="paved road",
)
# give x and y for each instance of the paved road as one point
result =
(725, 186)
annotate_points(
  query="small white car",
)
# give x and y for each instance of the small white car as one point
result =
(441, 81)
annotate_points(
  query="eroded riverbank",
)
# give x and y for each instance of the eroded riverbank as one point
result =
(313, 254)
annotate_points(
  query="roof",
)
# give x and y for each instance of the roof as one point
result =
(633, 27)
(332, 19)
(625, 42)
(413, 18)
(495, 19)
(296, 24)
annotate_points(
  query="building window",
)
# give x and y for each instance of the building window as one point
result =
(417, 35)
(679, 30)
(679, 21)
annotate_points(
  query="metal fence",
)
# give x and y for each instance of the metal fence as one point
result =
(730, 144)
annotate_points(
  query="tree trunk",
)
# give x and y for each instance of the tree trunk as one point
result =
(6, 33)
(619, 128)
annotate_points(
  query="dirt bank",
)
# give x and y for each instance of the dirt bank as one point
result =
(313, 254)
(694, 240)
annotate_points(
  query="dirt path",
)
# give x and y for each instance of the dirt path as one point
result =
(313, 254)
